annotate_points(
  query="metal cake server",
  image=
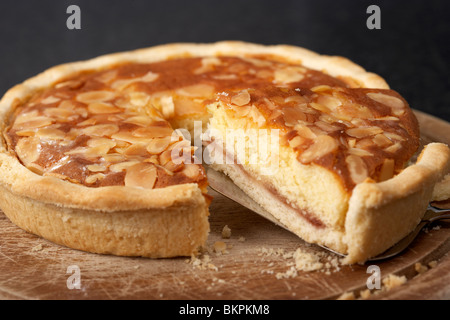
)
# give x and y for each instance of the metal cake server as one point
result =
(220, 183)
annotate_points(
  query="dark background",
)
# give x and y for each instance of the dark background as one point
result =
(411, 51)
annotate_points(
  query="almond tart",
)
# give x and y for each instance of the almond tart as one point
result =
(93, 154)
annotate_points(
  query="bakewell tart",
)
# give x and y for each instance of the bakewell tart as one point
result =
(93, 154)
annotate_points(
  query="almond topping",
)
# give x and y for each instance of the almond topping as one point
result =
(153, 132)
(167, 107)
(321, 147)
(289, 74)
(387, 170)
(185, 106)
(360, 152)
(242, 98)
(101, 130)
(95, 142)
(141, 175)
(94, 178)
(364, 132)
(381, 140)
(27, 150)
(50, 133)
(357, 168)
(96, 168)
(50, 100)
(394, 148)
(119, 167)
(100, 108)
(330, 102)
(158, 145)
(95, 96)
(191, 171)
(397, 106)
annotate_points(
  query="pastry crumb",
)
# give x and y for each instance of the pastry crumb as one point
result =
(226, 232)
(420, 268)
(365, 294)
(392, 281)
(37, 248)
(241, 239)
(432, 264)
(220, 247)
(202, 263)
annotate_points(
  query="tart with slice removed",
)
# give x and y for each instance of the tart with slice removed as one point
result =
(91, 158)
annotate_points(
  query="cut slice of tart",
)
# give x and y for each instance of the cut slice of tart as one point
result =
(93, 155)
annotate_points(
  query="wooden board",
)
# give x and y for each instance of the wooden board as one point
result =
(33, 268)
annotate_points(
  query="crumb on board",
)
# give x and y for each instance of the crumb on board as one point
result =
(37, 248)
(432, 264)
(202, 263)
(301, 260)
(420, 268)
(220, 247)
(392, 281)
(226, 232)
(241, 239)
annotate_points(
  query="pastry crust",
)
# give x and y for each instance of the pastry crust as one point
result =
(43, 205)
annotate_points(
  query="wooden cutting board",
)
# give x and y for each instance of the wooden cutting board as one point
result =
(257, 251)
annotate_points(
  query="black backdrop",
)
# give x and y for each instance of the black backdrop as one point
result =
(411, 51)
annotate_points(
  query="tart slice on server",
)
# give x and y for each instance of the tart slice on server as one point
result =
(91, 156)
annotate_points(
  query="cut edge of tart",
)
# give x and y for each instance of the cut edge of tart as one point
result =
(167, 217)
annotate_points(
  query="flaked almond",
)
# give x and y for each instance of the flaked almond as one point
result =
(158, 145)
(101, 130)
(124, 83)
(394, 148)
(167, 106)
(184, 106)
(26, 133)
(67, 105)
(153, 159)
(142, 121)
(60, 114)
(397, 106)
(96, 168)
(192, 171)
(257, 116)
(174, 167)
(394, 136)
(330, 102)
(50, 134)
(126, 136)
(107, 77)
(363, 132)
(196, 90)
(289, 74)
(327, 126)
(26, 117)
(94, 178)
(242, 98)
(387, 170)
(27, 149)
(50, 100)
(101, 108)
(292, 115)
(95, 142)
(141, 175)
(137, 149)
(95, 96)
(119, 167)
(305, 132)
(321, 88)
(113, 158)
(357, 168)
(139, 99)
(37, 122)
(71, 84)
(296, 142)
(381, 140)
(359, 152)
(322, 146)
(153, 132)
(87, 122)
